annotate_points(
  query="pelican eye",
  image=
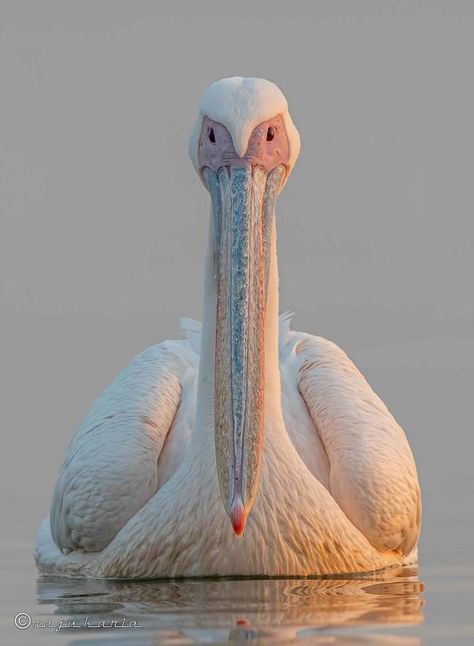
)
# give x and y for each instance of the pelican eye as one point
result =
(212, 136)
(270, 133)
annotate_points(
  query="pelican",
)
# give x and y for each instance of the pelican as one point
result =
(246, 448)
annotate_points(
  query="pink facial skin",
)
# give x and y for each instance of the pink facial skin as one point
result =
(267, 147)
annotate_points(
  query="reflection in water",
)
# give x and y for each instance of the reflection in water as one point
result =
(216, 610)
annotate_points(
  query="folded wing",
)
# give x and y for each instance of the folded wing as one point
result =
(111, 467)
(372, 471)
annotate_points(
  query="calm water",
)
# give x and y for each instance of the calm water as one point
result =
(406, 606)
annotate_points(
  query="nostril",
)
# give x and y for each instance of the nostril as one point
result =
(212, 136)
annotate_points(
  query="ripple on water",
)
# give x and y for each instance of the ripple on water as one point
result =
(270, 610)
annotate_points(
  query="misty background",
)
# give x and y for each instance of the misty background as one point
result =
(104, 221)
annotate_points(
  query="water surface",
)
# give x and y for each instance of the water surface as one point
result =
(431, 604)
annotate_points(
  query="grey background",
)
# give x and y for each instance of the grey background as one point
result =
(103, 220)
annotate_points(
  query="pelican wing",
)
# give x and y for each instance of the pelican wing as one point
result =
(372, 473)
(113, 466)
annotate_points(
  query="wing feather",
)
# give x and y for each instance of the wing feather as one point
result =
(372, 471)
(110, 470)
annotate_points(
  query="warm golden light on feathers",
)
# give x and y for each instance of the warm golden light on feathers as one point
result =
(245, 427)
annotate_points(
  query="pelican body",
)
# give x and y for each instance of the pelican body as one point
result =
(246, 448)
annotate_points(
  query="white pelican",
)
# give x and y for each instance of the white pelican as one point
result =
(245, 420)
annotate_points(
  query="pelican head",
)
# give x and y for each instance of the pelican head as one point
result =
(243, 146)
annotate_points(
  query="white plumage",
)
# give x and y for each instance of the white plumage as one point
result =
(313, 483)
(138, 494)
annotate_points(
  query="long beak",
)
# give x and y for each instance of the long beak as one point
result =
(243, 206)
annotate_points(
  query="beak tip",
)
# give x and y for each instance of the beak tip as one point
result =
(238, 517)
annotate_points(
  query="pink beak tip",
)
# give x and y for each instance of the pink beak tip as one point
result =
(238, 517)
